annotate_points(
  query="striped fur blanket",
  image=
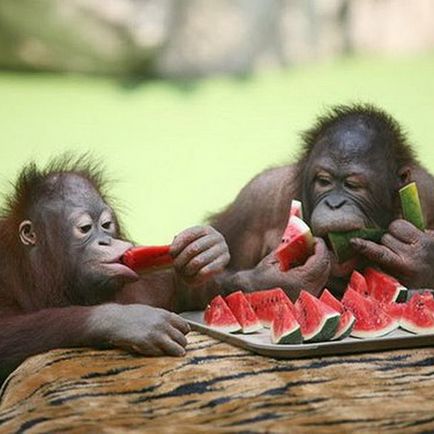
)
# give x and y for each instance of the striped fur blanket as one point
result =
(218, 388)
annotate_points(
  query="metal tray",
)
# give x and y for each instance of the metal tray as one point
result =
(260, 342)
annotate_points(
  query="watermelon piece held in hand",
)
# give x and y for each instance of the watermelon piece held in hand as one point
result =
(411, 208)
(148, 257)
(318, 321)
(243, 312)
(284, 328)
(296, 246)
(346, 320)
(371, 319)
(296, 209)
(383, 287)
(418, 314)
(340, 241)
(218, 315)
(265, 302)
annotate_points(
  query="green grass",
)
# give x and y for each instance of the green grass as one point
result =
(182, 151)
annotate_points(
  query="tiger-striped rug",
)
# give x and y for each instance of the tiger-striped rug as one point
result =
(218, 388)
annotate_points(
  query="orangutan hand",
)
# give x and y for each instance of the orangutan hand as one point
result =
(199, 253)
(311, 276)
(405, 252)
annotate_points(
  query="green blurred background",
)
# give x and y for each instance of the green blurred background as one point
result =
(180, 150)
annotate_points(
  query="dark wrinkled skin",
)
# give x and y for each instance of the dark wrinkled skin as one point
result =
(74, 291)
(405, 251)
(346, 180)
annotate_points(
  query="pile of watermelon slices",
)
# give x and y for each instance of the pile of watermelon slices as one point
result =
(377, 302)
(309, 319)
(364, 312)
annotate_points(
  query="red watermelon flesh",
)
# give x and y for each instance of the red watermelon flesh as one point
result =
(371, 319)
(147, 257)
(358, 283)
(318, 321)
(395, 310)
(218, 315)
(418, 314)
(243, 312)
(296, 246)
(346, 321)
(296, 209)
(284, 328)
(265, 302)
(383, 287)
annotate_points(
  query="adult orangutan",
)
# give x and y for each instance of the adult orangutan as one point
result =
(354, 159)
(62, 282)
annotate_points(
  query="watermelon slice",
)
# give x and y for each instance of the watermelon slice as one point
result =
(340, 241)
(358, 283)
(411, 208)
(243, 312)
(264, 303)
(296, 209)
(318, 321)
(418, 314)
(297, 244)
(371, 319)
(147, 257)
(284, 328)
(346, 321)
(383, 287)
(218, 315)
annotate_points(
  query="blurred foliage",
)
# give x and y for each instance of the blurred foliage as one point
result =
(182, 150)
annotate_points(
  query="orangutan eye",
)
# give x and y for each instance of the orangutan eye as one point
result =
(107, 225)
(352, 185)
(84, 229)
(323, 181)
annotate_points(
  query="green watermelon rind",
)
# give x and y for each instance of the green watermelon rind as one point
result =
(338, 336)
(292, 336)
(402, 294)
(325, 330)
(411, 207)
(340, 241)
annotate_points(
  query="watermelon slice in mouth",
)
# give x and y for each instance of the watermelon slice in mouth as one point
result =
(318, 321)
(340, 241)
(150, 258)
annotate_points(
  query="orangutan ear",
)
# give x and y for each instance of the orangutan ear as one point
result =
(404, 175)
(27, 233)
